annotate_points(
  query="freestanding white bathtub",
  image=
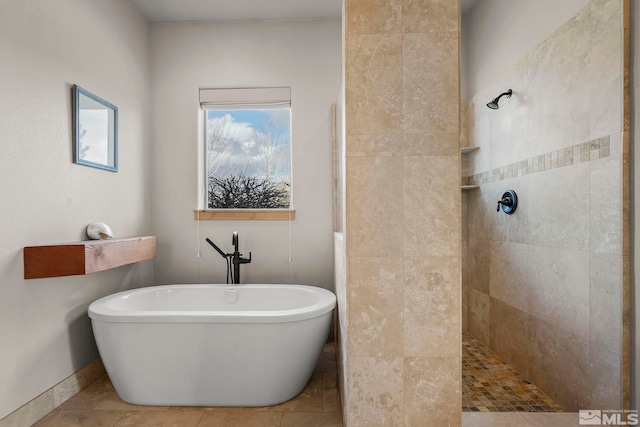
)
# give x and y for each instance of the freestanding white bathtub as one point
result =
(212, 345)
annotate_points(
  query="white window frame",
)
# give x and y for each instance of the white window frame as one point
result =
(229, 99)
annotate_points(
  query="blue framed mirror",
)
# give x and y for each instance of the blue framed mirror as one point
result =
(95, 135)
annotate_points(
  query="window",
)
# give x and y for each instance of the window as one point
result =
(247, 148)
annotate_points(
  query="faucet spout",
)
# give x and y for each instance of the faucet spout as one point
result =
(237, 258)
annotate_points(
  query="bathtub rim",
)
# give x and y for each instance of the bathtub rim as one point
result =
(99, 310)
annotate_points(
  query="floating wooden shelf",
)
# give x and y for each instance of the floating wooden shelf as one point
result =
(469, 187)
(467, 150)
(70, 259)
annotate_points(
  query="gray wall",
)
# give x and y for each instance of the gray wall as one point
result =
(46, 47)
(503, 31)
(304, 55)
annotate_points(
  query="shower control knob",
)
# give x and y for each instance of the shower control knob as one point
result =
(504, 202)
(509, 202)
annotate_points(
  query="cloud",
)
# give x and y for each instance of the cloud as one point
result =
(240, 148)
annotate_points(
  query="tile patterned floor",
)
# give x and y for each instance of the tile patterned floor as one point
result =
(98, 405)
(490, 385)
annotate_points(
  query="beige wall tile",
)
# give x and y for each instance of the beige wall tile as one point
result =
(373, 65)
(401, 206)
(374, 145)
(509, 335)
(606, 19)
(428, 273)
(464, 258)
(421, 144)
(514, 227)
(31, 412)
(374, 206)
(432, 392)
(43, 404)
(465, 308)
(432, 319)
(566, 120)
(626, 331)
(479, 263)
(373, 16)
(479, 316)
(430, 100)
(606, 305)
(606, 89)
(606, 381)
(559, 202)
(341, 316)
(508, 140)
(558, 102)
(559, 288)
(464, 124)
(559, 364)
(376, 308)
(482, 212)
(606, 207)
(626, 207)
(479, 136)
(571, 40)
(422, 16)
(68, 388)
(430, 195)
(510, 267)
(91, 396)
(464, 168)
(375, 385)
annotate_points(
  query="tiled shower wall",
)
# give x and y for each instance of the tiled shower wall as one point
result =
(547, 287)
(403, 226)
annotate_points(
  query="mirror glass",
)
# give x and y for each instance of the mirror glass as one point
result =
(96, 131)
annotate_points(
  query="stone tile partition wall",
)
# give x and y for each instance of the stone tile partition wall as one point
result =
(403, 223)
(547, 288)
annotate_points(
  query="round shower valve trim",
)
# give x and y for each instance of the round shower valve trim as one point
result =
(508, 202)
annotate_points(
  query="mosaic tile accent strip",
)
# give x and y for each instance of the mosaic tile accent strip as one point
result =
(490, 385)
(571, 155)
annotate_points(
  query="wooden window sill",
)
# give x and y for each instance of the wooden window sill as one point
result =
(245, 214)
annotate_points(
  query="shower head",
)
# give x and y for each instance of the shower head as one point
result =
(494, 103)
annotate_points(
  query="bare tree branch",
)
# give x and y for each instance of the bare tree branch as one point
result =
(245, 192)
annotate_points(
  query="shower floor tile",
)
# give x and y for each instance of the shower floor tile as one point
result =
(490, 385)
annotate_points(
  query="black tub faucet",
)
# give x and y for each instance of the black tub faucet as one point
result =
(235, 258)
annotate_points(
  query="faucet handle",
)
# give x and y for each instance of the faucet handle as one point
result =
(245, 260)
